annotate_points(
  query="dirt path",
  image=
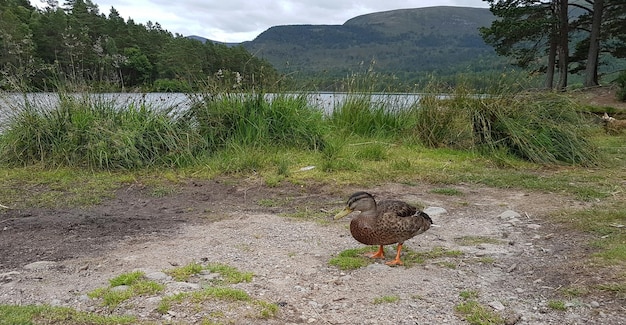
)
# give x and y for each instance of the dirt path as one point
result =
(526, 262)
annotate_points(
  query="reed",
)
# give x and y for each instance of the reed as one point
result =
(91, 132)
(251, 119)
(541, 127)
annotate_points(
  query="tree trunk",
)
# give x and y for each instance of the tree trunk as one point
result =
(563, 43)
(591, 70)
(551, 62)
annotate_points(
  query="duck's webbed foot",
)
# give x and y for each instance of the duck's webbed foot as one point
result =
(379, 254)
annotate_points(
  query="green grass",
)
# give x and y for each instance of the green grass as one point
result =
(136, 284)
(264, 310)
(352, 259)
(474, 312)
(557, 305)
(447, 191)
(14, 315)
(355, 258)
(91, 132)
(229, 274)
(183, 273)
(386, 300)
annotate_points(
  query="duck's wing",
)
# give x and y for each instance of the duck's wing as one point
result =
(397, 208)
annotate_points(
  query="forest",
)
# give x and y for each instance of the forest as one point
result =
(76, 45)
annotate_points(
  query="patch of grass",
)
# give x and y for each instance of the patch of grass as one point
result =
(264, 310)
(619, 289)
(477, 240)
(606, 221)
(468, 294)
(36, 186)
(574, 291)
(126, 278)
(184, 272)
(256, 119)
(386, 300)
(352, 259)
(447, 191)
(540, 128)
(42, 314)
(136, 284)
(486, 260)
(372, 151)
(557, 305)
(475, 313)
(230, 274)
(90, 131)
(412, 257)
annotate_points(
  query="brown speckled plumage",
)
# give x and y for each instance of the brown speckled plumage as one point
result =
(385, 223)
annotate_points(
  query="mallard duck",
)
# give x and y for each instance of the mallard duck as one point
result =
(385, 223)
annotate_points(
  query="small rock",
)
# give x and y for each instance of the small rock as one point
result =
(120, 288)
(508, 215)
(594, 304)
(512, 319)
(8, 277)
(533, 226)
(183, 286)
(435, 211)
(41, 265)
(156, 276)
(511, 268)
(496, 305)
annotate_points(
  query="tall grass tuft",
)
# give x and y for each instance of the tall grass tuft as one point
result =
(361, 115)
(256, 119)
(88, 131)
(542, 128)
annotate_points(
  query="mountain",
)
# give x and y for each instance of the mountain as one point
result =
(204, 40)
(442, 40)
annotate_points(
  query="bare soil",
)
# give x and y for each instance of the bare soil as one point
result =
(528, 261)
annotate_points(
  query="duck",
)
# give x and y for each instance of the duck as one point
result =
(384, 223)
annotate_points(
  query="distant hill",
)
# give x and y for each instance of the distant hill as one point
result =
(204, 40)
(442, 40)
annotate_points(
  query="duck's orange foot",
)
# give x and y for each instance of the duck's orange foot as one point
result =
(379, 254)
(395, 262)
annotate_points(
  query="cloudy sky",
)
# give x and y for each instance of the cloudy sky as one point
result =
(243, 20)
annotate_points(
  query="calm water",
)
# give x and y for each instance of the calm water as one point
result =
(11, 103)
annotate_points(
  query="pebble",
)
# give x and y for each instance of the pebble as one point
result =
(509, 214)
(533, 226)
(496, 305)
(8, 277)
(157, 276)
(41, 265)
(594, 304)
(435, 211)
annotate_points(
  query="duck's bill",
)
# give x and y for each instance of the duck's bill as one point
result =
(346, 211)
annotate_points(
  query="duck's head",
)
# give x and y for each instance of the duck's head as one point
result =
(359, 201)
